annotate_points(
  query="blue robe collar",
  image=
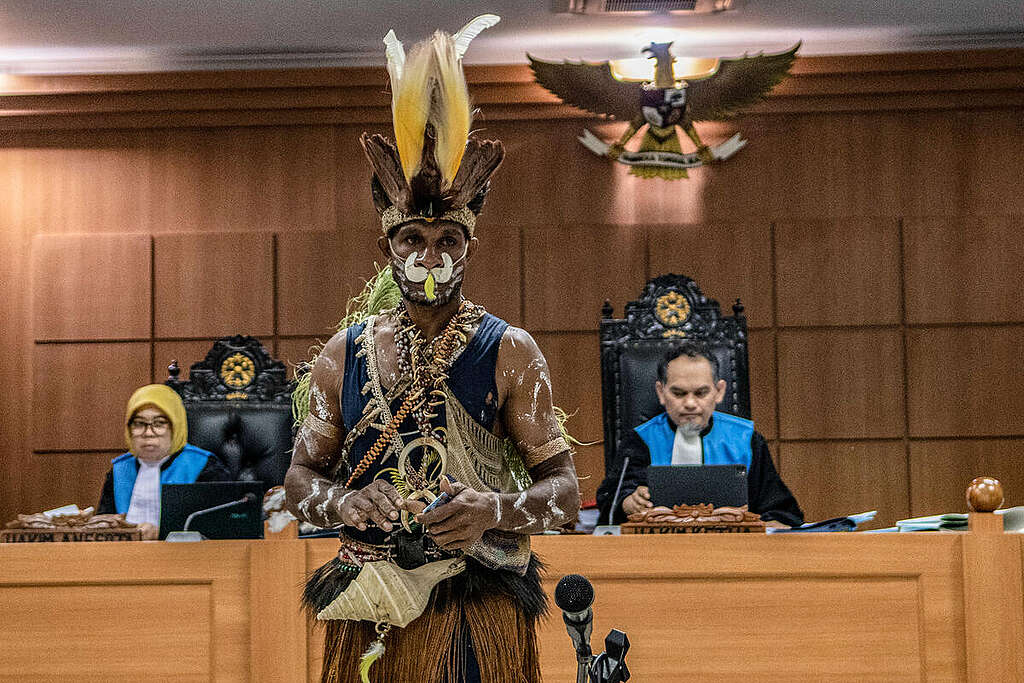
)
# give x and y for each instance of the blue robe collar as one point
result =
(726, 440)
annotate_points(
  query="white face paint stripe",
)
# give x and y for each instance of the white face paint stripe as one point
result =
(419, 274)
(444, 273)
(412, 271)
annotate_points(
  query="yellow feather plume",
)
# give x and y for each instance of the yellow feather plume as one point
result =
(410, 105)
(451, 113)
(429, 86)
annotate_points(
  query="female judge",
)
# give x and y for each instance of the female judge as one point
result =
(156, 431)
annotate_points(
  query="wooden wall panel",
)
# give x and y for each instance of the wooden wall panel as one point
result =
(549, 179)
(965, 381)
(354, 214)
(728, 261)
(575, 364)
(494, 276)
(317, 273)
(292, 352)
(991, 161)
(840, 384)
(811, 166)
(831, 479)
(91, 286)
(104, 181)
(571, 269)
(763, 406)
(15, 337)
(964, 269)
(80, 392)
(841, 272)
(248, 179)
(940, 472)
(64, 478)
(185, 352)
(926, 162)
(214, 285)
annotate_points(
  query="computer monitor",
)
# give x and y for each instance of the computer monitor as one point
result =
(245, 520)
(719, 485)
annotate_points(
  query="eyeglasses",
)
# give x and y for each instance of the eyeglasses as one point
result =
(159, 426)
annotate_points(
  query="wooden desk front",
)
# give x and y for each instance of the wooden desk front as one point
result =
(717, 608)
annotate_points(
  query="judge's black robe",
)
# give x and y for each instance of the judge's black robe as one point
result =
(767, 494)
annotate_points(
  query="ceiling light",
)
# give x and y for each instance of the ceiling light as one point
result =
(642, 69)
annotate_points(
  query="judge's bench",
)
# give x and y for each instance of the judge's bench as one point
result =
(711, 607)
(696, 607)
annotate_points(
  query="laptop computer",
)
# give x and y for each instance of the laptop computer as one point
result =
(245, 520)
(719, 485)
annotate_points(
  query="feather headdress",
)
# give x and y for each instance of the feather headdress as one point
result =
(432, 170)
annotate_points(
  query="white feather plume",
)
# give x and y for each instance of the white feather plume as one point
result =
(395, 54)
(471, 30)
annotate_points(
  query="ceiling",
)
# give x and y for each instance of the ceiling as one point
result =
(109, 36)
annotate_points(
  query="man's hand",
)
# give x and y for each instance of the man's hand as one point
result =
(460, 522)
(637, 501)
(378, 502)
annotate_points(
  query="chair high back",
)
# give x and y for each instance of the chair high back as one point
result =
(670, 308)
(238, 401)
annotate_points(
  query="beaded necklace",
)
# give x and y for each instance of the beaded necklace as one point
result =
(428, 363)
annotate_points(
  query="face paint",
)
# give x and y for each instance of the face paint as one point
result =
(408, 273)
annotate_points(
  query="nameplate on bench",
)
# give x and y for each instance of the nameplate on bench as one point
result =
(76, 528)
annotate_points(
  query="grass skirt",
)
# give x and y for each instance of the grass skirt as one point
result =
(432, 649)
(499, 609)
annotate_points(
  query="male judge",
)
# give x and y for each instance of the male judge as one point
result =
(691, 432)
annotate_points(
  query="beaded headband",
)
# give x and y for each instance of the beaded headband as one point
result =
(393, 217)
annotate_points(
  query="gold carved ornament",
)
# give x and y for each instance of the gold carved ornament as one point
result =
(238, 371)
(672, 309)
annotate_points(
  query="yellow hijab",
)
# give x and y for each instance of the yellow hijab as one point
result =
(168, 401)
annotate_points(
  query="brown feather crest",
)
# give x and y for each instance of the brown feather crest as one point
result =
(383, 156)
(481, 159)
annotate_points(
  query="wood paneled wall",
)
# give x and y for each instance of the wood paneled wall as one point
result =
(872, 227)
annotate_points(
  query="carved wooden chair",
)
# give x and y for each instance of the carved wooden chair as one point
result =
(670, 308)
(238, 401)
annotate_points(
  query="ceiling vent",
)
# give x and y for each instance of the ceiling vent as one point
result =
(638, 6)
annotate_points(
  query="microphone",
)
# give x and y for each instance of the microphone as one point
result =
(618, 490)
(574, 595)
(247, 498)
(186, 536)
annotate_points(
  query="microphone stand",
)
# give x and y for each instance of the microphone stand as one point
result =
(199, 513)
(581, 641)
(610, 665)
(574, 595)
(187, 536)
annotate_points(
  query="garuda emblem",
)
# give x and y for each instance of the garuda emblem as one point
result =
(664, 104)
